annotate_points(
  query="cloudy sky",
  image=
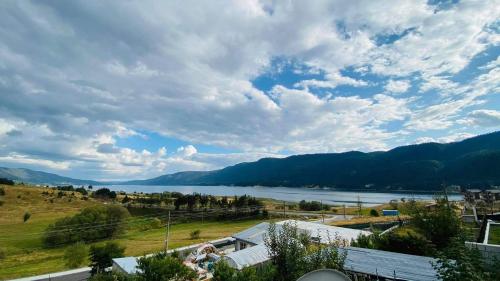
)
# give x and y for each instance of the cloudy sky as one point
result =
(135, 89)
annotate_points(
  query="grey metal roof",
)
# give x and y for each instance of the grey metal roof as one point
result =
(254, 234)
(367, 261)
(247, 257)
(386, 264)
(127, 265)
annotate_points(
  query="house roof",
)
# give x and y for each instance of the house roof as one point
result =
(387, 264)
(367, 261)
(247, 257)
(254, 234)
(128, 264)
(326, 233)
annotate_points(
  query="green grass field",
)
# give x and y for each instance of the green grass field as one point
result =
(494, 236)
(22, 245)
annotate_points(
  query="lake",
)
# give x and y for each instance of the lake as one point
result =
(332, 197)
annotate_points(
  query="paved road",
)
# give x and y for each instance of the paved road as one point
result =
(72, 275)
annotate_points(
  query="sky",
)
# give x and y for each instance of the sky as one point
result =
(113, 90)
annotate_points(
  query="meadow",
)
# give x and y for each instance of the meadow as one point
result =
(22, 250)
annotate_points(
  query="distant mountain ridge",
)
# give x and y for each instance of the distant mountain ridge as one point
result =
(38, 177)
(471, 162)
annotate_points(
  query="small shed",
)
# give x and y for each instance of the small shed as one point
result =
(390, 212)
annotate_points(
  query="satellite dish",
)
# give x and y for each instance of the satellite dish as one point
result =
(324, 275)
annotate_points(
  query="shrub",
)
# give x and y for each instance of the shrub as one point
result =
(101, 256)
(195, 234)
(81, 190)
(75, 255)
(27, 216)
(82, 226)
(104, 193)
(312, 206)
(374, 213)
(2, 191)
(6, 181)
(3, 254)
(161, 267)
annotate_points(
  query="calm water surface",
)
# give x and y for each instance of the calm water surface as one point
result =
(284, 193)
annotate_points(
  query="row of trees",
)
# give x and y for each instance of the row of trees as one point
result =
(93, 223)
(312, 206)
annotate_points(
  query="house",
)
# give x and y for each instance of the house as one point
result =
(374, 264)
(318, 232)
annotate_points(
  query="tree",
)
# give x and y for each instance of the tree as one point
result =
(75, 255)
(6, 181)
(439, 225)
(101, 256)
(162, 267)
(82, 226)
(104, 193)
(457, 262)
(293, 254)
(374, 213)
(223, 272)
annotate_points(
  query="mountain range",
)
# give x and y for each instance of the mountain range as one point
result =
(473, 162)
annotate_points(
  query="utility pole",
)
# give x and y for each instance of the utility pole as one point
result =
(322, 215)
(167, 234)
(284, 209)
(344, 212)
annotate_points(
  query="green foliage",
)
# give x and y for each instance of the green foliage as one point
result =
(101, 256)
(3, 254)
(111, 276)
(161, 267)
(439, 225)
(104, 193)
(312, 206)
(374, 213)
(6, 182)
(26, 216)
(2, 191)
(223, 272)
(75, 255)
(292, 253)
(82, 190)
(90, 224)
(195, 234)
(457, 262)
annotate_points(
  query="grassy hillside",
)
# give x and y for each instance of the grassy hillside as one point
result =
(22, 245)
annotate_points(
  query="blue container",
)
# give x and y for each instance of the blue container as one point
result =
(390, 212)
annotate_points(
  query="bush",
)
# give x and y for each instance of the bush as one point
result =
(81, 190)
(26, 216)
(104, 193)
(195, 234)
(87, 225)
(312, 206)
(161, 267)
(3, 254)
(75, 255)
(101, 256)
(2, 191)
(374, 213)
(6, 182)
(111, 276)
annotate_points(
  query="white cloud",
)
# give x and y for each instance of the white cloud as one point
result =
(397, 86)
(73, 79)
(483, 118)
